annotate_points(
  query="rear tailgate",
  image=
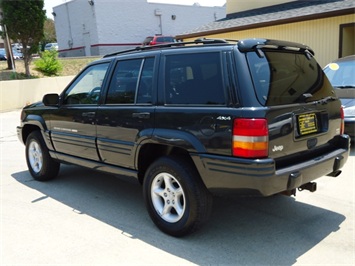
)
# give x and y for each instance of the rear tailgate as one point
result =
(307, 129)
(303, 113)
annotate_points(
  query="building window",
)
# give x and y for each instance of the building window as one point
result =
(347, 40)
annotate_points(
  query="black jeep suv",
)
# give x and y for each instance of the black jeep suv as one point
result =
(190, 119)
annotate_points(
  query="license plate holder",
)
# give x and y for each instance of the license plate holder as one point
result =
(307, 124)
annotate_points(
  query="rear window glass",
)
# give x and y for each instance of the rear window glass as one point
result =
(165, 39)
(341, 74)
(285, 78)
(147, 40)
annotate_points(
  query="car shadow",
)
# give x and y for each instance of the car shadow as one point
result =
(242, 230)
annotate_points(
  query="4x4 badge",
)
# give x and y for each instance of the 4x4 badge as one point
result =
(224, 118)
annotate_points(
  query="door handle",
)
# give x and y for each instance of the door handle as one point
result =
(141, 115)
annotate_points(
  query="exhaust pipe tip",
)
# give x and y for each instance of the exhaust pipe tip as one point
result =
(311, 186)
(335, 173)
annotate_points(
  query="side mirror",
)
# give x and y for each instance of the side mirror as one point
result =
(51, 99)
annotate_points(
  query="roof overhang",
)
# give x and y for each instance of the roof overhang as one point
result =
(329, 14)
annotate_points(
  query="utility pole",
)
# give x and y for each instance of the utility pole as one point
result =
(8, 48)
(9, 53)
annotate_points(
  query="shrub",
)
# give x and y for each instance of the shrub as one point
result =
(48, 64)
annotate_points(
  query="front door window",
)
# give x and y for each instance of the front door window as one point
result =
(87, 87)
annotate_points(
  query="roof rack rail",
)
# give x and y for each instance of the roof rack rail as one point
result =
(138, 48)
(165, 45)
(212, 40)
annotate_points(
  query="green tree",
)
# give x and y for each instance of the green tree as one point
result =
(25, 21)
(49, 32)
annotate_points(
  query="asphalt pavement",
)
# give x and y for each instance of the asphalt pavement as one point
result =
(89, 218)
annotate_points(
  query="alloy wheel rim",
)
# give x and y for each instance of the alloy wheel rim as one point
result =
(168, 197)
(35, 157)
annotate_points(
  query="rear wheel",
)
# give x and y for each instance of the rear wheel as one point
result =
(41, 166)
(176, 199)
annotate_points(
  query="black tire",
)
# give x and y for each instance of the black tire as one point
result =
(172, 185)
(41, 166)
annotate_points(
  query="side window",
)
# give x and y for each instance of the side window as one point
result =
(124, 82)
(87, 87)
(145, 87)
(194, 79)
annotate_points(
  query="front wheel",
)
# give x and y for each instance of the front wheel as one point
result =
(176, 199)
(41, 166)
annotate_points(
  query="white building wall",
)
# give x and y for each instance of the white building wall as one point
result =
(75, 25)
(109, 26)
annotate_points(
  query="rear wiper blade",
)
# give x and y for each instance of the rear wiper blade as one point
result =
(304, 97)
(307, 95)
(326, 100)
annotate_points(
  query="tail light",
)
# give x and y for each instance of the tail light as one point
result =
(342, 120)
(250, 138)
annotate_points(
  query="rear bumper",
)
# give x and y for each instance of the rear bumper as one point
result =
(349, 124)
(230, 174)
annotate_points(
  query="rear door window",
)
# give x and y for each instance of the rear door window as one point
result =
(287, 77)
(123, 85)
(132, 82)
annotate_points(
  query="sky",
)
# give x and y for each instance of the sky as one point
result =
(49, 4)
